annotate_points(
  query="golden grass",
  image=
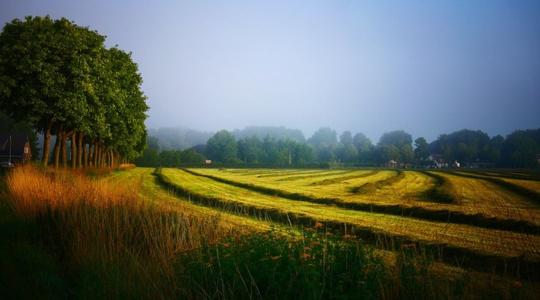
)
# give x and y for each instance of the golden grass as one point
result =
(480, 196)
(486, 241)
(33, 191)
(98, 221)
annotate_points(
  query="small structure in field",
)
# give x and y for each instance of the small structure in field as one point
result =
(437, 161)
(392, 164)
(14, 148)
(208, 162)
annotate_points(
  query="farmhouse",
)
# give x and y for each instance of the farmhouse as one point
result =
(437, 161)
(14, 148)
(392, 164)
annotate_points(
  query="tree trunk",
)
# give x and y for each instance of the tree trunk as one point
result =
(46, 145)
(81, 149)
(74, 150)
(94, 155)
(98, 155)
(84, 162)
(112, 159)
(63, 150)
(90, 153)
(59, 137)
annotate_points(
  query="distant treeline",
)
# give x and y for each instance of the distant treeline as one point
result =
(324, 148)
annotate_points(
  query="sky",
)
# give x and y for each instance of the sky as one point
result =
(428, 67)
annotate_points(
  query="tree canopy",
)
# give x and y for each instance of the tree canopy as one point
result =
(61, 79)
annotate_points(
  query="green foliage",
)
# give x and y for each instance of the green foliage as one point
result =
(464, 146)
(520, 149)
(222, 147)
(273, 267)
(421, 150)
(57, 75)
(395, 145)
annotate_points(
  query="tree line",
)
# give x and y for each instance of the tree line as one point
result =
(60, 79)
(325, 148)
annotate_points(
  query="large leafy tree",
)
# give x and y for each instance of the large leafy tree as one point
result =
(59, 78)
(44, 76)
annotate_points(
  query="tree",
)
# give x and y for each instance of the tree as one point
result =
(364, 147)
(396, 145)
(43, 73)
(59, 78)
(386, 153)
(250, 150)
(346, 138)
(464, 146)
(324, 137)
(192, 157)
(520, 149)
(421, 150)
(324, 142)
(222, 147)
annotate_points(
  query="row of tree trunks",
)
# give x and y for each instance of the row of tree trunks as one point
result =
(83, 152)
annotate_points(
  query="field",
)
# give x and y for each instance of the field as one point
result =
(259, 233)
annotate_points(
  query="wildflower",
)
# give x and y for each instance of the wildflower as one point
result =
(348, 237)
(318, 225)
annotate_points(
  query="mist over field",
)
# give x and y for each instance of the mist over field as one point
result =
(371, 67)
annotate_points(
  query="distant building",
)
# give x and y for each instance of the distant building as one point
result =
(437, 161)
(208, 162)
(15, 148)
(392, 164)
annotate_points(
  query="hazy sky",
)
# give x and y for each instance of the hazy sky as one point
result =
(428, 67)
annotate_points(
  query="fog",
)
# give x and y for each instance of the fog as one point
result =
(425, 67)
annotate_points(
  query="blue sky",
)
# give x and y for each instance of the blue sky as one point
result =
(428, 67)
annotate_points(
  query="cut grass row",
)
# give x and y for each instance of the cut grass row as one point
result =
(344, 178)
(526, 188)
(371, 187)
(507, 174)
(150, 190)
(474, 247)
(432, 213)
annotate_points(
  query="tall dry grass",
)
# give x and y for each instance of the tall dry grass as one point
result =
(108, 229)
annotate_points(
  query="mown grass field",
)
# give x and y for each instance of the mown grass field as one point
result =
(447, 235)
(452, 196)
(269, 233)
